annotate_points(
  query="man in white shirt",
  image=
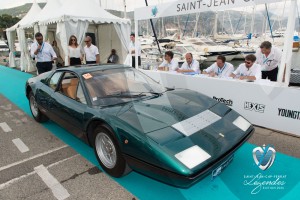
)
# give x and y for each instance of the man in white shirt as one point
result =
(91, 52)
(220, 68)
(269, 58)
(43, 53)
(169, 64)
(132, 45)
(190, 65)
(248, 70)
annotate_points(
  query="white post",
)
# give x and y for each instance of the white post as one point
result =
(136, 32)
(125, 12)
(286, 58)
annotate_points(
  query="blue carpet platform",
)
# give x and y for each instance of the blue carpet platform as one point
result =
(242, 179)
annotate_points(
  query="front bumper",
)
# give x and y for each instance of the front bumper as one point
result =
(178, 180)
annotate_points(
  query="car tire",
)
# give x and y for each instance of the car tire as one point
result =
(108, 152)
(35, 111)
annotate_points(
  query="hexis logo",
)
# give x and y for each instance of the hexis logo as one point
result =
(254, 106)
(264, 156)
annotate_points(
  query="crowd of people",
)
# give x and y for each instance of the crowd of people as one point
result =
(45, 55)
(261, 65)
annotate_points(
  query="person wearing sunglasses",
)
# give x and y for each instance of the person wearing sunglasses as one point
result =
(269, 57)
(249, 70)
(43, 54)
(220, 68)
(75, 52)
(91, 52)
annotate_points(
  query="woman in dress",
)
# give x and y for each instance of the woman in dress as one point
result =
(75, 52)
(60, 61)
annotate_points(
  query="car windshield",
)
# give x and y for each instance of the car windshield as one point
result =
(114, 86)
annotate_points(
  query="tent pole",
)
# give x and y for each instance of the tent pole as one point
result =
(285, 65)
(154, 31)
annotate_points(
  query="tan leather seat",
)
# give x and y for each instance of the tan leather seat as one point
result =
(71, 91)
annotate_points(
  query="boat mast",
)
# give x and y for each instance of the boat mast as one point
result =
(252, 20)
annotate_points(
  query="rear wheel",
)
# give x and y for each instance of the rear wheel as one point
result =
(108, 152)
(35, 111)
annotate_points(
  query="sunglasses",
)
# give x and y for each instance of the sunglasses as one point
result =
(247, 62)
(86, 41)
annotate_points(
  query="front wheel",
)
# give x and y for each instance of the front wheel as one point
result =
(108, 152)
(35, 111)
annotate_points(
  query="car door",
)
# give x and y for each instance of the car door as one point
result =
(44, 94)
(70, 103)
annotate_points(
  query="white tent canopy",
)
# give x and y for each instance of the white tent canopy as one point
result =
(50, 8)
(77, 17)
(29, 17)
(76, 10)
(11, 36)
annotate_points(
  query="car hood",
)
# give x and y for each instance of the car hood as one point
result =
(165, 110)
(184, 123)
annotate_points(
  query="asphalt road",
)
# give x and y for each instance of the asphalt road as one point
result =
(34, 164)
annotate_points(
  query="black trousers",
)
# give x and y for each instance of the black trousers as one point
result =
(90, 62)
(133, 61)
(43, 67)
(272, 75)
(75, 61)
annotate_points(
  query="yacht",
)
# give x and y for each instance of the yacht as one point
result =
(211, 49)
(187, 48)
(4, 49)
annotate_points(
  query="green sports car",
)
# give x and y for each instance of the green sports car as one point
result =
(176, 136)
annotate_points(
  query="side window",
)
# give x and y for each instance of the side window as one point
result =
(79, 95)
(69, 85)
(54, 80)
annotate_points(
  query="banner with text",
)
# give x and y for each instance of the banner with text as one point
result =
(182, 7)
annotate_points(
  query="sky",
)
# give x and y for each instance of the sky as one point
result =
(131, 4)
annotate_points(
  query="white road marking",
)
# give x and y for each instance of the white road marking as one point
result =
(20, 145)
(8, 183)
(31, 158)
(57, 189)
(5, 127)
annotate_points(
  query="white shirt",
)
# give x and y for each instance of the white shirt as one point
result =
(271, 62)
(46, 53)
(75, 52)
(193, 66)
(132, 45)
(91, 52)
(173, 65)
(225, 71)
(254, 70)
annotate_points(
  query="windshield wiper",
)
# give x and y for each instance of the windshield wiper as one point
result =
(123, 95)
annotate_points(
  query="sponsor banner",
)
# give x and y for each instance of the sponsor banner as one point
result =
(182, 7)
(228, 102)
(292, 114)
(254, 107)
(261, 103)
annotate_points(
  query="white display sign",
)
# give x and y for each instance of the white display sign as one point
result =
(182, 7)
(264, 103)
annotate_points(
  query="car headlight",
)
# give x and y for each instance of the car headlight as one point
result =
(192, 156)
(241, 123)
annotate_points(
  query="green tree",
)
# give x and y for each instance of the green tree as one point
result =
(7, 21)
